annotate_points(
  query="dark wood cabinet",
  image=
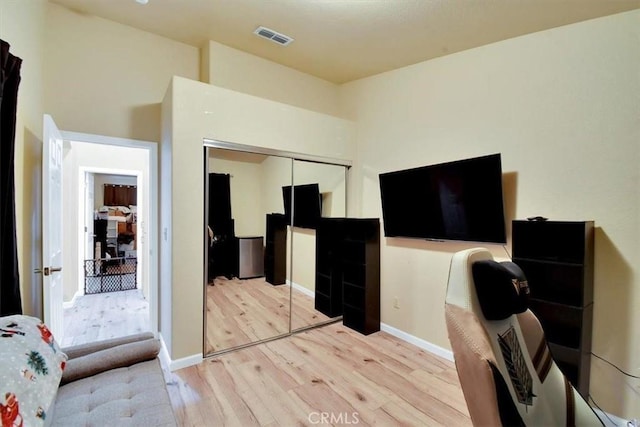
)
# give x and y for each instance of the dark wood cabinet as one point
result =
(348, 271)
(557, 258)
(275, 251)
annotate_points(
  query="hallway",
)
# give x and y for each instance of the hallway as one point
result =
(103, 316)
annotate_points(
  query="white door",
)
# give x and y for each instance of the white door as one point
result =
(52, 227)
(89, 252)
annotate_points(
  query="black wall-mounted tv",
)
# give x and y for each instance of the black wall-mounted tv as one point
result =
(307, 205)
(459, 200)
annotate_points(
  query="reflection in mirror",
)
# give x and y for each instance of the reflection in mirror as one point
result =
(247, 291)
(330, 182)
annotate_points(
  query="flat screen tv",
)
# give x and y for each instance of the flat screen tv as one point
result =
(459, 200)
(307, 205)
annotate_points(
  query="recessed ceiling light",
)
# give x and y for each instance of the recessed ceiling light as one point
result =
(142, 1)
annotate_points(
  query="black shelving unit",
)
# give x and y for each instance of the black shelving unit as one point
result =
(348, 271)
(328, 297)
(557, 259)
(100, 235)
(275, 251)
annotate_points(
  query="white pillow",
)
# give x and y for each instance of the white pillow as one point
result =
(31, 366)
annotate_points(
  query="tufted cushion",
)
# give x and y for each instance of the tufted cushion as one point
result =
(129, 396)
(501, 287)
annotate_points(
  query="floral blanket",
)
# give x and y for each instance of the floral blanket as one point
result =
(31, 366)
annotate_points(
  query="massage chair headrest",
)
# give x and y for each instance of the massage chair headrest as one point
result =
(501, 287)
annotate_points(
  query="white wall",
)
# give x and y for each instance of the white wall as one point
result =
(562, 107)
(22, 26)
(96, 81)
(109, 79)
(197, 110)
(165, 220)
(246, 197)
(96, 157)
(240, 71)
(102, 179)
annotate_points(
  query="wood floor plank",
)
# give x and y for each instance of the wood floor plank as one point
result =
(234, 408)
(319, 396)
(241, 311)
(330, 370)
(336, 368)
(448, 393)
(407, 390)
(272, 393)
(403, 413)
(107, 315)
(186, 392)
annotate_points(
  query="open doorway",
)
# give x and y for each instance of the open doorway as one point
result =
(110, 284)
(110, 232)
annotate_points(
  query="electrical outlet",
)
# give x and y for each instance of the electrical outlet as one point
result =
(396, 302)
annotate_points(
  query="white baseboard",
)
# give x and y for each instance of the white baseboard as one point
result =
(69, 304)
(183, 362)
(308, 292)
(418, 342)
(609, 420)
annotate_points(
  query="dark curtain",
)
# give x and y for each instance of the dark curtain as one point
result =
(220, 204)
(10, 301)
(120, 195)
(223, 252)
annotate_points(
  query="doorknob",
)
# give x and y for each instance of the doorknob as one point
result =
(49, 270)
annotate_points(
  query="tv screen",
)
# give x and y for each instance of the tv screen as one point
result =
(307, 206)
(460, 200)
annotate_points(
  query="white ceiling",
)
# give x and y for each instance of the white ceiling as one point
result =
(344, 40)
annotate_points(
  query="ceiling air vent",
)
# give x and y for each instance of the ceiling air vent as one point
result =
(274, 36)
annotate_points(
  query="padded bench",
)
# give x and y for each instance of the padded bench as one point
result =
(114, 382)
(117, 382)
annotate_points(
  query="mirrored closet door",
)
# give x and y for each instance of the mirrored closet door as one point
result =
(247, 299)
(262, 208)
(320, 192)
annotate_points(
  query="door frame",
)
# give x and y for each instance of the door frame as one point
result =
(152, 226)
(81, 235)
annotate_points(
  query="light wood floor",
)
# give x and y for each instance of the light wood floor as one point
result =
(241, 311)
(331, 372)
(102, 316)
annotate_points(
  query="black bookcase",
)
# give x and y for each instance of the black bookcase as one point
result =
(328, 298)
(557, 259)
(348, 271)
(275, 251)
(100, 235)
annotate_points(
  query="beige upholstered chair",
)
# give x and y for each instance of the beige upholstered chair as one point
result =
(505, 368)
